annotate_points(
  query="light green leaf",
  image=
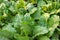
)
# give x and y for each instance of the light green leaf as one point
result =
(20, 4)
(52, 24)
(26, 30)
(9, 28)
(41, 2)
(19, 37)
(39, 30)
(3, 38)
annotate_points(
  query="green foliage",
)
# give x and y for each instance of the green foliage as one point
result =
(29, 19)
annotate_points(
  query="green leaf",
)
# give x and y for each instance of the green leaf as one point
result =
(3, 38)
(29, 6)
(20, 4)
(55, 37)
(25, 24)
(34, 1)
(42, 21)
(41, 2)
(39, 30)
(43, 38)
(51, 32)
(22, 11)
(26, 19)
(1, 1)
(58, 30)
(11, 8)
(46, 16)
(9, 28)
(17, 20)
(19, 37)
(5, 33)
(54, 20)
(33, 10)
(26, 30)
(52, 24)
(36, 15)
